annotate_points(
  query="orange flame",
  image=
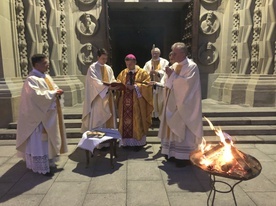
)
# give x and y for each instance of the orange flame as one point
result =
(221, 157)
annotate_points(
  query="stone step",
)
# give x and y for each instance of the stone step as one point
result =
(231, 130)
(219, 113)
(240, 113)
(244, 139)
(249, 120)
(216, 121)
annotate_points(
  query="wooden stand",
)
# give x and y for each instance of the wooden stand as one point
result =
(112, 152)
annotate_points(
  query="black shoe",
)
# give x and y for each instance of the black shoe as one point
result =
(137, 148)
(53, 169)
(49, 174)
(182, 163)
(125, 147)
(171, 159)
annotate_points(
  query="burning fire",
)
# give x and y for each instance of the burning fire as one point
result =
(223, 157)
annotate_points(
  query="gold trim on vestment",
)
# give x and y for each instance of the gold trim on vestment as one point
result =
(59, 112)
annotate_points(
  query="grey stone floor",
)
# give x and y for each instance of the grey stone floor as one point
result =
(139, 178)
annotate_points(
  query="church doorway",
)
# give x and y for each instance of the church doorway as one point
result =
(136, 27)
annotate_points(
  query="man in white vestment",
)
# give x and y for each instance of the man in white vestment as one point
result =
(98, 106)
(41, 136)
(156, 68)
(181, 119)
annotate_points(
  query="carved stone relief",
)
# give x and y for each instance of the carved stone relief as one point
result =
(208, 54)
(209, 23)
(274, 57)
(63, 32)
(22, 43)
(257, 18)
(187, 36)
(44, 28)
(85, 55)
(235, 34)
(87, 24)
(210, 1)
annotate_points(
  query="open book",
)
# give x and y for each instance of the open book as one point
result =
(115, 84)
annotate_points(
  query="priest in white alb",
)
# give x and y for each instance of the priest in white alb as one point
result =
(41, 135)
(156, 68)
(181, 119)
(98, 106)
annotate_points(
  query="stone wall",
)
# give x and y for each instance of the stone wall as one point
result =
(68, 31)
(237, 50)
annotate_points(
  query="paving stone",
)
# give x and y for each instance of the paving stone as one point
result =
(75, 172)
(267, 149)
(182, 180)
(191, 199)
(4, 188)
(66, 193)
(108, 182)
(263, 198)
(32, 183)
(138, 178)
(7, 151)
(259, 155)
(258, 184)
(143, 170)
(12, 172)
(22, 200)
(115, 199)
(146, 193)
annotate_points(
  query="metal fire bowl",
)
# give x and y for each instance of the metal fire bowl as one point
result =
(255, 167)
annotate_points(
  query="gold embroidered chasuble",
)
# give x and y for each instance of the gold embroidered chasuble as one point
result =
(141, 107)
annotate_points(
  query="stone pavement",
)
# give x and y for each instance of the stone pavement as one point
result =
(139, 178)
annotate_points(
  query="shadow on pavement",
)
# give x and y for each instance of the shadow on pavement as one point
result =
(188, 178)
(18, 180)
(99, 161)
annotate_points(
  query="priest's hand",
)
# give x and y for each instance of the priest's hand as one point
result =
(152, 72)
(59, 92)
(152, 83)
(168, 71)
